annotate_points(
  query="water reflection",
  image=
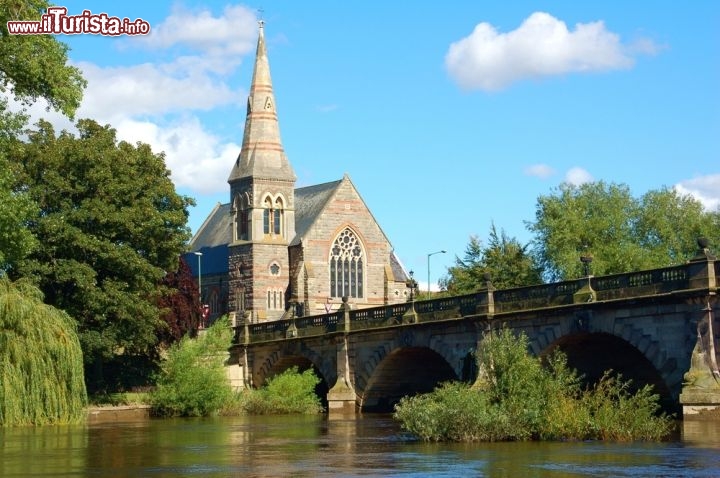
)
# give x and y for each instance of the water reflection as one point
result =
(315, 447)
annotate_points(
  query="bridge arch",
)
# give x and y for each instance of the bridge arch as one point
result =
(296, 355)
(593, 353)
(404, 371)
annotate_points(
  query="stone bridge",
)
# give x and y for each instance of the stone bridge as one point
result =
(655, 327)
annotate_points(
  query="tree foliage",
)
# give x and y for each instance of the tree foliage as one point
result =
(110, 225)
(193, 381)
(504, 260)
(41, 366)
(289, 392)
(517, 398)
(16, 205)
(35, 66)
(180, 305)
(31, 67)
(621, 232)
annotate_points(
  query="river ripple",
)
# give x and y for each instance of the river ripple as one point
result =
(319, 447)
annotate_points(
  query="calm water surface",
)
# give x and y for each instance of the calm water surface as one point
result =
(318, 447)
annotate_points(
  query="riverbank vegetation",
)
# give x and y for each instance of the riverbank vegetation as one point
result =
(193, 382)
(517, 397)
(41, 365)
(289, 392)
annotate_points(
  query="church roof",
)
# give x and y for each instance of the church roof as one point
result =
(397, 268)
(262, 155)
(309, 203)
(212, 241)
(216, 230)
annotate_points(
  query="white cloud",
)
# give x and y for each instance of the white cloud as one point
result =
(542, 171)
(541, 46)
(705, 189)
(197, 159)
(577, 176)
(150, 89)
(233, 32)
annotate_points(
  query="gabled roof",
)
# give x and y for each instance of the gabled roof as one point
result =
(212, 241)
(309, 204)
(397, 268)
(215, 231)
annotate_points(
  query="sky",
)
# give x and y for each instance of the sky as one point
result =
(448, 118)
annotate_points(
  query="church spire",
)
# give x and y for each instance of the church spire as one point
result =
(262, 155)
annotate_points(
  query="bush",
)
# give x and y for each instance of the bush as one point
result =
(516, 398)
(193, 380)
(289, 392)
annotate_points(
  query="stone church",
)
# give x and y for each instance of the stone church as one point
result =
(276, 251)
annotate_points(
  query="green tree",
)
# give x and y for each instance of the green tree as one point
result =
(41, 366)
(16, 206)
(35, 66)
(193, 381)
(505, 260)
(110, 225)
(31, 67)
(621, 232)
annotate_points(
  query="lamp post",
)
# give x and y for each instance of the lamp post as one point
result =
(411, 284)
(428, 266)
(586, 258)
(199, 256)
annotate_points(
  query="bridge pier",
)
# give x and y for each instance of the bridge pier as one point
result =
(700, 397)
(342, 398)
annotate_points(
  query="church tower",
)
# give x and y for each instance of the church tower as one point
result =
(262, 201)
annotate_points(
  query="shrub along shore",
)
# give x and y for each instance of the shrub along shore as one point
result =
(519, 398)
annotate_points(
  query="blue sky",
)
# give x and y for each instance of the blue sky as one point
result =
(447, 117)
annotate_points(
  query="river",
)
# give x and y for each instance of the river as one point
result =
(302, 446)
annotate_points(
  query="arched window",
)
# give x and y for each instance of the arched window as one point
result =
(277, 216)
(346, 266)
(272, 216)
(242, 220)
(275, 299)
(267, 212)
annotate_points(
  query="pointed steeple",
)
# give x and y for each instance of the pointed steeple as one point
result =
(262, 155)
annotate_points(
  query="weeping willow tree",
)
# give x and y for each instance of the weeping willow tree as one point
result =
(41, 364)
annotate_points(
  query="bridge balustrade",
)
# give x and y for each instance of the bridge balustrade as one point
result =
(536, 296)
(483, 302)
(378, 316)
(635, 284)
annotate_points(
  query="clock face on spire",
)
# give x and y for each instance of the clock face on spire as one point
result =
(268, 104)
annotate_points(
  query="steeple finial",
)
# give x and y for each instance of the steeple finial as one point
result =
(262, 155)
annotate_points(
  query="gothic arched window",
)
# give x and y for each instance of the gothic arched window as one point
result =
(243, 217)
(346, 266)
(272, 216)
(277, 216)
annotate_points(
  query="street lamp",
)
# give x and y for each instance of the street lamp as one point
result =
(428, 257)
(412, 285)
(199, 256)
(586, 258)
